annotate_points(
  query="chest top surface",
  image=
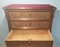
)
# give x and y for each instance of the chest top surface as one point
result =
(29, 6)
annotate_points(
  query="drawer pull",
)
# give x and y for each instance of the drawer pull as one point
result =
(30, 24)
(29, 15)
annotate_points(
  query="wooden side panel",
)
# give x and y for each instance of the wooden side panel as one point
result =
(8, 21)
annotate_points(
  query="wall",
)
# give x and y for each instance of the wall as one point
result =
(56, 22)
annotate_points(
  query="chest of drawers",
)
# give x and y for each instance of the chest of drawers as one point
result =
(29, 25)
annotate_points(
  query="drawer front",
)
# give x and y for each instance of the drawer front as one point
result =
(41, 44)
(17, 15)
(44, 39)
(41, 15)
(30, 25)
(17, 44)
(29, 15)
(29, 44)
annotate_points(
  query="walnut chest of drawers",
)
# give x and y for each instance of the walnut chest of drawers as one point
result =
(29, 25)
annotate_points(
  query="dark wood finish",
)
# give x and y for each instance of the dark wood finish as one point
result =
(36, 19)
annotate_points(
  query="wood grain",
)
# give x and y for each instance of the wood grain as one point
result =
(36, 19)
(33, 35)
(29, 25)
(29, 15)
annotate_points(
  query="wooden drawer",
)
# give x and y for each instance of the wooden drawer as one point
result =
(42, 15)
(17, 44)
(13, 15)
(29, 25)
(29, 44)
(41, 44)
(29, 38)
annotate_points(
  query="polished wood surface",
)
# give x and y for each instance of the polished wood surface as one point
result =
(37, 12)
(30, 25)
(29, 15)
(32, 35)
(36, 19)
(29, 6)
(29, 38)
